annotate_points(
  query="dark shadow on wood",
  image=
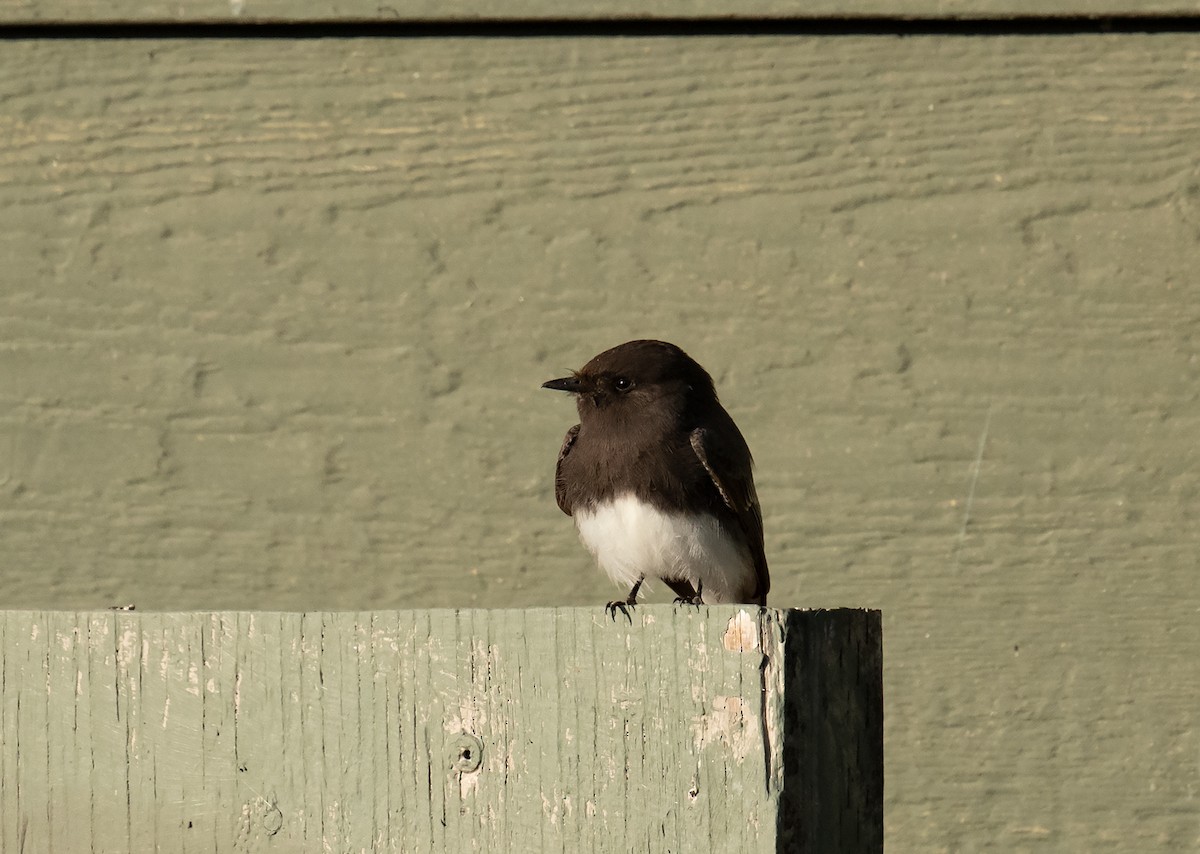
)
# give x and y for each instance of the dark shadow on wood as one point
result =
(832, 798)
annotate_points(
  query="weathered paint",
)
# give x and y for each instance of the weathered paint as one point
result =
(351, 732)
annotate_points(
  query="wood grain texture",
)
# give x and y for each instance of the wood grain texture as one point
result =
(274, 316)
(247, 11)
(540, 730)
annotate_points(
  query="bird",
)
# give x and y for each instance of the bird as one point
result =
(658, 479)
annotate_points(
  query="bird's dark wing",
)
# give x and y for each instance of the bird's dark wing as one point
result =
(560, 486)
(730, 474)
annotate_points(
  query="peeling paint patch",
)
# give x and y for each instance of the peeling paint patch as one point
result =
(728, 722)
(741, 635)
(126, 643)
(470, 718)
(468, 783)
(557, 807)
(699, 661)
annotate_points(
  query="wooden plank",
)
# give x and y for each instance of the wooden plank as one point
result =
(274, 316)
(543, 730)
(248, 11)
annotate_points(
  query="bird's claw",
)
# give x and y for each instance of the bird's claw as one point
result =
(621, 605)
(695, 599)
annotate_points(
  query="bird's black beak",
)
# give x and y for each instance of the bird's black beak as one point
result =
(571, 384)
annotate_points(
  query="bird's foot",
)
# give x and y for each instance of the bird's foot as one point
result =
(694, 598)
(622, 605)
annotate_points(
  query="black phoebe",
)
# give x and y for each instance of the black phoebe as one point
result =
(658, 478)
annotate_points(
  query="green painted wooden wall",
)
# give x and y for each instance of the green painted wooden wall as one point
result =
(273, 317)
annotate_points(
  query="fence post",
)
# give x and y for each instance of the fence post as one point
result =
(727, 728)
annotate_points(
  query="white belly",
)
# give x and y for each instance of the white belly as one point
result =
(631, 539)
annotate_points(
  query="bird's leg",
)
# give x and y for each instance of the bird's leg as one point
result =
(623, 605)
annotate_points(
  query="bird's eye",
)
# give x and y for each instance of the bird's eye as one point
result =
(622, 384)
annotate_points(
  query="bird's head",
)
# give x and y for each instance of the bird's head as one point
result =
(635, 378)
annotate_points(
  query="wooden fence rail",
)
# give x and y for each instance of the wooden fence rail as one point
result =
(722, 729)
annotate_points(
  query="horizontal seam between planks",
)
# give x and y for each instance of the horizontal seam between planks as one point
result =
(532, 28)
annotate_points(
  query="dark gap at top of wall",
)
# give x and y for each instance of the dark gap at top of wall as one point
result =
(1066, 25)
